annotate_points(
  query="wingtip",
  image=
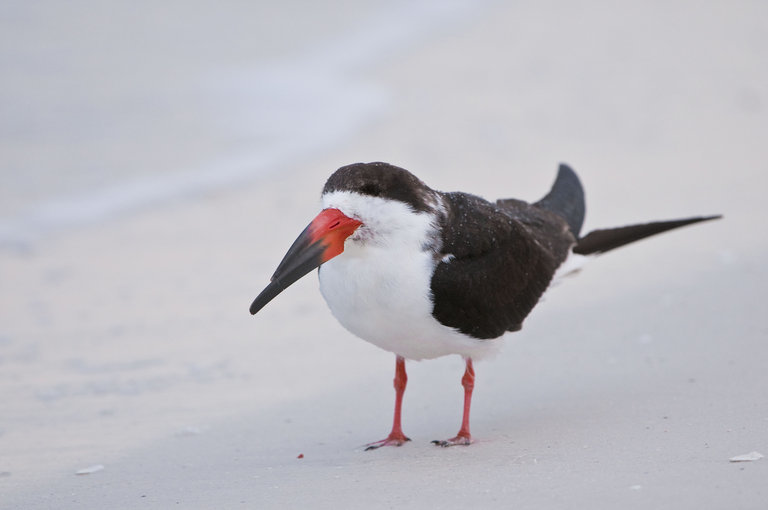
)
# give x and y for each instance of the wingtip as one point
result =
(565, 172)
(700, 219)
(603, 240)
(566, 198)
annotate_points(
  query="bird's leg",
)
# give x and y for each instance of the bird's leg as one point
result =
(396, 437)
(463, 437)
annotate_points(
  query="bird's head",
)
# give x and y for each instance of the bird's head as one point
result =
(362, 202)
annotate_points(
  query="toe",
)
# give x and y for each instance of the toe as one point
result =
(455, 441)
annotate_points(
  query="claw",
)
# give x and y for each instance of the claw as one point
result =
(390, 441)
(455, 441)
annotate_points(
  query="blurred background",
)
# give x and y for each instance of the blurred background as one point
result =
(113, 106)
(158, 158)
(110, 106)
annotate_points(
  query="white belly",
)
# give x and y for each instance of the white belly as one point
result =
(382, 296)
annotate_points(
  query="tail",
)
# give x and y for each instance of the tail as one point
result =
(566, 198)
(603, 240)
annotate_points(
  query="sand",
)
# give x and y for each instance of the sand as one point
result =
(127, 350)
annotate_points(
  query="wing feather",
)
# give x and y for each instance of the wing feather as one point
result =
(504, 256)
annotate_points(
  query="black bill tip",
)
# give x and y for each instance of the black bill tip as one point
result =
(267, 295)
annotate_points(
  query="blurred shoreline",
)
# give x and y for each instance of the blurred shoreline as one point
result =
(90, 130)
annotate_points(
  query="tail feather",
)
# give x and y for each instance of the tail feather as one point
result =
(566, 198)
(603, 240)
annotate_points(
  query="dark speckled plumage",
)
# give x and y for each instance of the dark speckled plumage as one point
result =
(504, 255)
(495, 259)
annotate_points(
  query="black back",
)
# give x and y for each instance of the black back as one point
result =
(504, 257)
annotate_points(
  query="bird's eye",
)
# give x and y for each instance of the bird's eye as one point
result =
(334, 225)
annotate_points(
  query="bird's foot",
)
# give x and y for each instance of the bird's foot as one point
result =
(462, 440)
(393, 440)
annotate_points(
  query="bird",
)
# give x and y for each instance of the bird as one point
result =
(424, 273)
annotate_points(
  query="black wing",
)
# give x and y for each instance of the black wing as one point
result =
(566, 199)
(606, 239)
(499, 260)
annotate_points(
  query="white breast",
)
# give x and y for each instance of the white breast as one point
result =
(379, 287)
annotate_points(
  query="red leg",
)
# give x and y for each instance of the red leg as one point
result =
(396, 437)
(463, 437)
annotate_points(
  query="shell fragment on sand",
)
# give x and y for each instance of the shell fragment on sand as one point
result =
(90, 469)
(747, 457)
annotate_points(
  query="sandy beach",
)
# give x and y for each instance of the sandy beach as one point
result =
(127, 349)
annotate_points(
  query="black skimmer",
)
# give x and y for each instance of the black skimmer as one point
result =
(423, 273)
